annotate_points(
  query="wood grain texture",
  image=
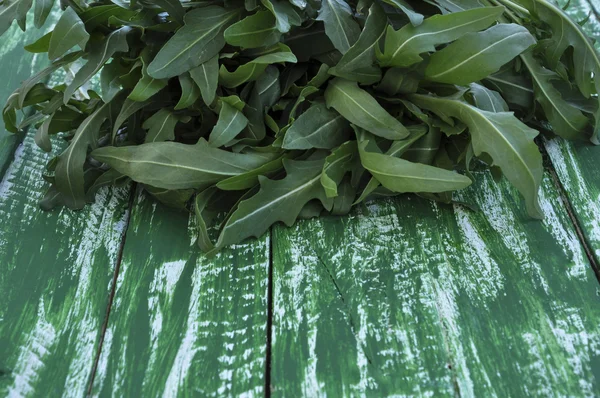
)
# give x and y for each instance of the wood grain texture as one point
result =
(55, 274)
(17, 65)
(407, 297)
(576, 164)
(182, 324)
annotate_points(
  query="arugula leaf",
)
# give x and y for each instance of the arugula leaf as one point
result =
(477, 55)
(69, 32)
(256, 30)
(340, 27)
(360, 108)
(114, 42)
(501, 135)
(172, 165)
(318, 127)
(357, 63)
(200, 39)
(277, 200)
(206, 77)
(567, 120)
(399, 175)
(231, 122)
(403, 47)
(161, 126)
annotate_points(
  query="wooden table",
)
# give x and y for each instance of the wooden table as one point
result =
(402, 297)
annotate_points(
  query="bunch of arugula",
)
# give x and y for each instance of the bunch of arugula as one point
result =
(274, 109)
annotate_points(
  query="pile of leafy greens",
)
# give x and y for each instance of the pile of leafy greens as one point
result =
(272, 110)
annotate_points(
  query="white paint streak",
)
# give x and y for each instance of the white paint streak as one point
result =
(38, 345)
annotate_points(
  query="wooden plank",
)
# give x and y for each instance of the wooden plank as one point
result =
(17, 65)
(182, 324)
(407, 297)
(55, 274)
(576, 164)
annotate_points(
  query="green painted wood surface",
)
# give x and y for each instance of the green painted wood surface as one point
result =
(55, 274)
(576, 164)
(55, 268)
(403, 297)
(182, 324)
(16, 65)
(406, 297)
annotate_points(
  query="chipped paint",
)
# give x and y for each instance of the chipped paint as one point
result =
(76, 260)
(180, 314)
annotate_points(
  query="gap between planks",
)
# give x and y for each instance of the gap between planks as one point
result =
(549, 166)
(113, 287)
(269, 351)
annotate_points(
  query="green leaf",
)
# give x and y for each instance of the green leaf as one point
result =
(99, 15)
(415, 18)
(277, 200)
(256, 30)
(285, 15)
(161, 126)
(336, 166)
(176, 199)
(189, 92)
(357, 63)
(477, 55)
(515, 88)
(267, 87)
(41, 11)
(69, 32)
(173, 8)
(252, 70)
(250, 179)
(318, 127)
(147, 86)
(501, 135)
(399, 175)
(361, 109)
(231, 122)
(128, 109)
(487, 99)
(200, 39)
(22, 9)
(41, 45)
(397, 149)
(206, 77)
(42, 139)
(8, 13)
(566, 120)
(399, 81)
(340, 26)
(403, 47)
(69, 169)
(32, 81)
(97, 57)
(172, 165)
(201, 201)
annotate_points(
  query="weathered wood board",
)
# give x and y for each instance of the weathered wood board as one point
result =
(407, 297)
(182, 324)
(55, 274)
(55, 268)
(16, 65)
(576, 164)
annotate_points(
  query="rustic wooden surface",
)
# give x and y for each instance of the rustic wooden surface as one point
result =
(182, 324)
(576, 164)
(55, 268)
(406, 297)
(402, 297)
